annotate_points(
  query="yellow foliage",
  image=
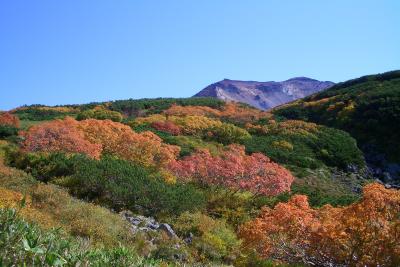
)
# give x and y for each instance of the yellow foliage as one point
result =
(51, 207)
(283, 144)
(195, 124)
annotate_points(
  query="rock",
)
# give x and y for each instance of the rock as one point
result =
(168, 229)
(189, 239)
(141, 223)
(388, 186)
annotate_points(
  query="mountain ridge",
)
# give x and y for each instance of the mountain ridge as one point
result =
(264, 95)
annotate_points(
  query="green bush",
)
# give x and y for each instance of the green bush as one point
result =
(42, 166)
(99, 114)
(228, 133)
(140, 107)
(327, 146)
(213, 239)
(8, 131)
(35, 113)
(121, 184)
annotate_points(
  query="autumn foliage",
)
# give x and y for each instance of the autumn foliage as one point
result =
(9, 119)
(59, 136)
(234, 169)
(94, 137)
(366, 233)
(230, 111)
(167, 126)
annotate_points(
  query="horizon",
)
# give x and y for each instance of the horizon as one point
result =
(71, 52)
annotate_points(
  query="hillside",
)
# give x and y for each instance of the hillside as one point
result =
(263, 95)
(368, 108)
(186, 182)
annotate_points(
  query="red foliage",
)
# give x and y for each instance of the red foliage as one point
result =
(9, 119)
(234, 169)
(167, 126)
(59, 135)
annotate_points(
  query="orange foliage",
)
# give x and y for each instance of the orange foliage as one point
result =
(13, 199)
(10, 199)
(176, 110)
(93, 137)
(9, 119)
(59, 136)
(234, 169)
(366, 233)
(231, 111)
(239, 113)
(118, 139)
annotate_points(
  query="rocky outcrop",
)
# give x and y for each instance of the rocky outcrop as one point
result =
(141, 223)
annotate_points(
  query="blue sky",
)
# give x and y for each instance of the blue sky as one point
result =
(78, 51)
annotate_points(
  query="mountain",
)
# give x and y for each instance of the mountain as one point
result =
(368, 108)
(264, 95)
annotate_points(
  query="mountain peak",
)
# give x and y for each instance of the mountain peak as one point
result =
(264, 95)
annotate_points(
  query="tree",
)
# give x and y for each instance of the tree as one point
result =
(234, 169)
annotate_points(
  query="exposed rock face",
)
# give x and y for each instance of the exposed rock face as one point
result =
(264, 95)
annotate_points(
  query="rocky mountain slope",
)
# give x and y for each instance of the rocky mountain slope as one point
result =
(264, 95)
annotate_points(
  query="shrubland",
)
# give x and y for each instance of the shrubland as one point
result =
(230, 180)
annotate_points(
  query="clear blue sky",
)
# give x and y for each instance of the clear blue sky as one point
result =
(78, 51)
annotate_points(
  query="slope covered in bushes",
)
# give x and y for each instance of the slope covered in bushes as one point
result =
(368, 108)
(112, 173)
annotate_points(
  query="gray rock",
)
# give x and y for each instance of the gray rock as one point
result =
(189, 239)
(168, 229)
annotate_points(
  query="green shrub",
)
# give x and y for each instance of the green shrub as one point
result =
(327, 146)
(213, 239)
(99, 113)
(42, 166)
(8, 131)
(141, 107)
(121, 184)
(228, 133)
(42, 113)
